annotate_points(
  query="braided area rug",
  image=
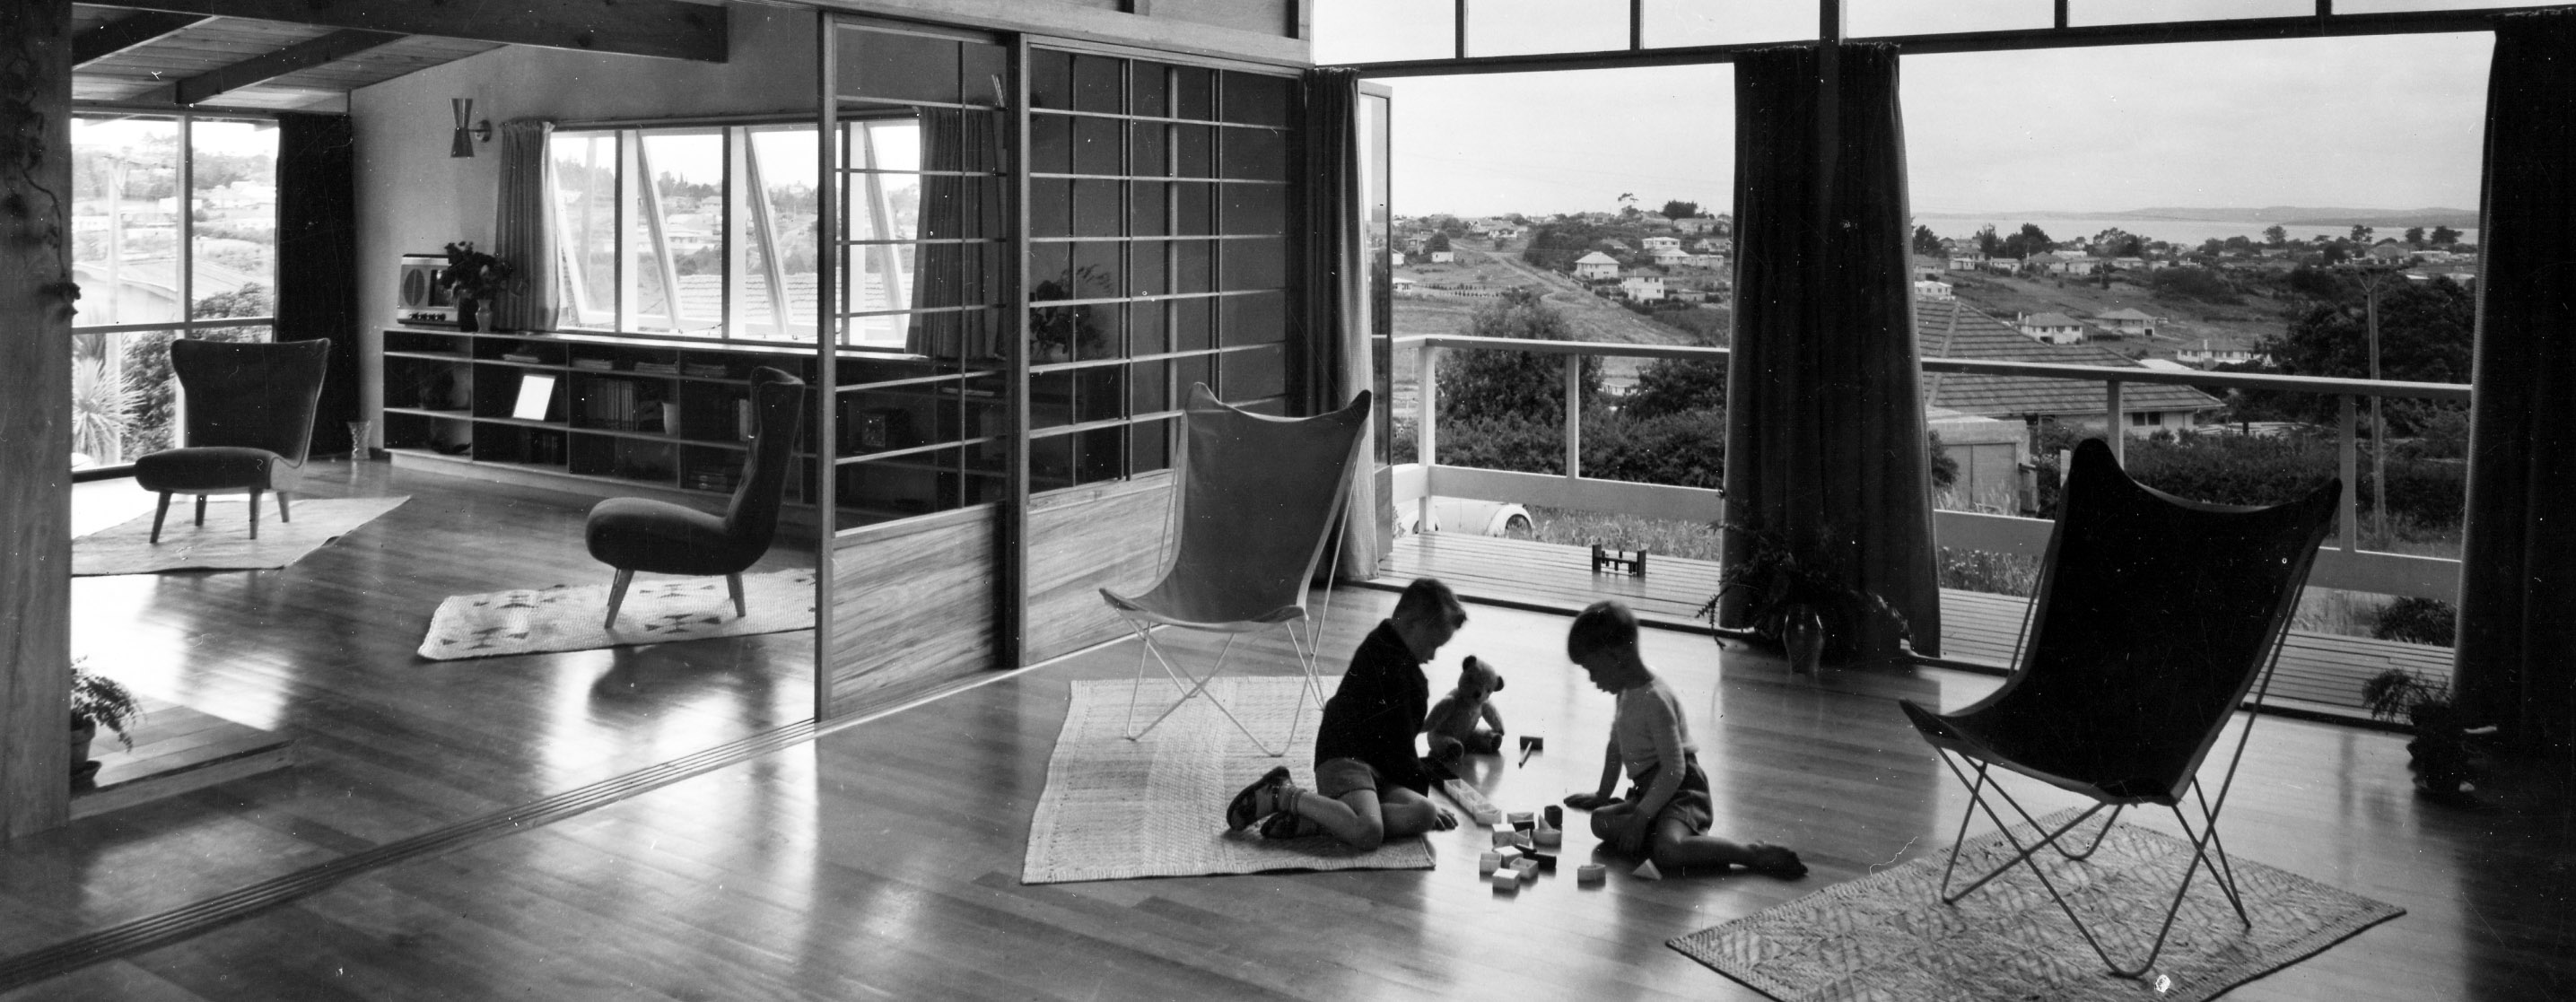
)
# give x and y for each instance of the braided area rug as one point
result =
(1888, 936)
(1155, 807)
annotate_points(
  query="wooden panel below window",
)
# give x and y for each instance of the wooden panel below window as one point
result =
(915, 609)
(1082, 540)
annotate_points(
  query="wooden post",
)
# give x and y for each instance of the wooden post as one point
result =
(1426, 424)
(35, 416)
(2346, 465)
(1573, 417)
(2116, 432)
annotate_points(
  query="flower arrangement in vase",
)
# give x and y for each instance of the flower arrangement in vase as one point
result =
(475, 277)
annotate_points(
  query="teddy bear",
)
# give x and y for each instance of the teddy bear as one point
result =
(1463, 721)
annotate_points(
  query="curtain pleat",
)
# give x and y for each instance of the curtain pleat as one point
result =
(1336, 360)
(2517, 617)
(317, 260)
(1825, 434)
(523, 230)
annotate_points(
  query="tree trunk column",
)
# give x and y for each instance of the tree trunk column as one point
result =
(35, 414)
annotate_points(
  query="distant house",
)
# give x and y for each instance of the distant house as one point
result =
(2391, 253)
(2127, 323)
(1682, 295)
(2052, 263)
(1990, 452)
(2208, 354)
(1642, 288)
(1696, 224)
(2054, 328)
(1504, 232)
(1937, 291)
(1661, 243)
(1965, 260)
(1443, 257)
(1952, 329)
(1656, 220)
(1406, 284)
(1596, 265)
(1669, 257)
(2131, 263)
(1713, 262)
(1714, 245)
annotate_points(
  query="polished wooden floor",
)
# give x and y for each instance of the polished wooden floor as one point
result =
(881, 860)
(389, 745)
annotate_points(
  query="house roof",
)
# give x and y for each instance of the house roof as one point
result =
(2050, 320)
(1596, 257)
(1950, 329)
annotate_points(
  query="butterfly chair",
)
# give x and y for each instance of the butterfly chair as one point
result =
(249, 423)
(641, 534)
(2155, 617)
(1257, 500)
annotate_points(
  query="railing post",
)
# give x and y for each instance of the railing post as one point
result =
(2348, 466)
(1426, 451)
(2112, 419)
(1573, 416)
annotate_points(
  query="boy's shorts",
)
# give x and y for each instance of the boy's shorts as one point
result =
(1690, 805)
(1338, 776)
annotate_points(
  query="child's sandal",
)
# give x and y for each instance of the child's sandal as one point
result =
(1245, 808)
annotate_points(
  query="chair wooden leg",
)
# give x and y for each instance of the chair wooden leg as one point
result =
(254, 514)
(617, 597)
(201, 511)
(158, 513)
(281, 507)
(733, 583)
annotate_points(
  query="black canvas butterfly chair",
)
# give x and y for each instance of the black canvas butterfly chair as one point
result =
(1257, 500)
(2155, 617)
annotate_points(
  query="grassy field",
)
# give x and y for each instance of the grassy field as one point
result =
(1449, 294)
(2187, 321)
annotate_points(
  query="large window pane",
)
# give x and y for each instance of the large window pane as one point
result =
(232, 203)
(125, 218)
(778, 262)
(585, 201)
(675, 270)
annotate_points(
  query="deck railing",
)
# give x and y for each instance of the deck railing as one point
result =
(2344, 564)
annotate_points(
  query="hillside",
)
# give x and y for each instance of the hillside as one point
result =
(2186, 322)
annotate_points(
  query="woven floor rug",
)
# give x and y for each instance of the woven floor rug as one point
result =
(223, 543)
(1888, 936)
(1155, 807)
(658, 610)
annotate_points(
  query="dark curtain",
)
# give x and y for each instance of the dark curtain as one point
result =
(2518, 562)
(1334, 363)
(1825, 439)
(317, 260)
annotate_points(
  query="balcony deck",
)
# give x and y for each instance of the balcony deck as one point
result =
(2320, 674)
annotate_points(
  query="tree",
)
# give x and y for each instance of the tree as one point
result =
(2275, 235)
(1439, 242)
(2117, 242)
(2030, 240)
(1482, 385)
(2415, 236)
(1988, 243)
(1678, 386)
(1926, 242)
(1681, 210)
(2444, 236)
(2425, 335)
(2360, 233)
(1628, 204)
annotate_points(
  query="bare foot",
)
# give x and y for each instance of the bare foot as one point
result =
(1442, 820)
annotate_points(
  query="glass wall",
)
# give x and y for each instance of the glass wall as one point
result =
(701, 232)
(174, 234)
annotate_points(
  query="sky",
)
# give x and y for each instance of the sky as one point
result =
(2388, 122)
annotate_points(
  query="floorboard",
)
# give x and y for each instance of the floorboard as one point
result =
(882, 860)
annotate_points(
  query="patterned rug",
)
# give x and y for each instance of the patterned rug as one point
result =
(658, 610)
(223, 543)
(1888, 936)
(1155, 807)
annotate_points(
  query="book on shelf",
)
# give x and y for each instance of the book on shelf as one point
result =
(658, 368)
(595, 364)
(703, 370)
(529, 357)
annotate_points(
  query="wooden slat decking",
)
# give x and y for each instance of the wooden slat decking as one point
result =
(2318, 672)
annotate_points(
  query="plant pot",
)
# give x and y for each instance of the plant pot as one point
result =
(469, 314)
(1802, 638)
(84, 769)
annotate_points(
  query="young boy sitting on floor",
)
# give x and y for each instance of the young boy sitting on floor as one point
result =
(1666, 815)
(1369, 785)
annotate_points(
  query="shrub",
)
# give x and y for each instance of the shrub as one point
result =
(2417, 621)
(1994, 573)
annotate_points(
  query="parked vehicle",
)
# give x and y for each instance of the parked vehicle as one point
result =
(1470, 515)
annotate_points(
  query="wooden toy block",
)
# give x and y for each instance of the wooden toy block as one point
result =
(1472, 801)
(1647, 871)
(1509, 853)
(1505, 836)
(1547, 838)
(1506, 879)
(1555, 816)
(1521, 820)
(1523, 841)
(1546, 861)
(1527, 868)
(1590, 874)
(1487, 863)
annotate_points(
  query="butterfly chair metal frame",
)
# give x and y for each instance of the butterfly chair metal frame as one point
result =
(2098, 490)
(1164, 605)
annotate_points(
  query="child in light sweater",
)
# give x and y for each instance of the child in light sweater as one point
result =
(1666, 814)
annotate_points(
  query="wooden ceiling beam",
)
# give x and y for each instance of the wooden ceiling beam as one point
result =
(116, 36)
(302, 55)
(669, 29)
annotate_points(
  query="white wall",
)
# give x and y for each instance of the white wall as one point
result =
(414, 198)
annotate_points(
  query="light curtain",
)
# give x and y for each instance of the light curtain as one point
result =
(1336, 362)
(2517, 617)
(1825, 437)
(523, 231)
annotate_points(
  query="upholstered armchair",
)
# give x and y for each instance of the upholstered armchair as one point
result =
(249, 423)
(641, 534)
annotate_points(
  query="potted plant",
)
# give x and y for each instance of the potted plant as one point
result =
(475, 277)
(1803, 607)
(2444, 755)
(97, 701)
